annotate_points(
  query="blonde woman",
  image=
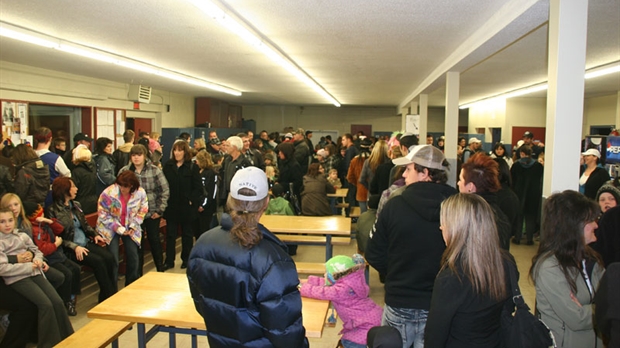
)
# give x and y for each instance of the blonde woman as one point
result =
(378, 156)
(473, 284)
(84, 175)
(241, 277)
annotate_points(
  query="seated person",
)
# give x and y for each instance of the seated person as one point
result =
(28, 280)
(279, 205)
(314, 200)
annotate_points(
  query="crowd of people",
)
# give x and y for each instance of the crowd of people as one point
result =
(441, 251)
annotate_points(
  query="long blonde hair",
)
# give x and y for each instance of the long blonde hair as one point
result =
(468, 224)
(378, 155)
(4, 203)
(245, 216)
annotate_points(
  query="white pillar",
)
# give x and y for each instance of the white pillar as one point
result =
(618, 110)
(453, 82)
(423, 117)
(403, 118)
(567, 55)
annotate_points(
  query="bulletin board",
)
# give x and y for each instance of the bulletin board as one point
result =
(15, 122)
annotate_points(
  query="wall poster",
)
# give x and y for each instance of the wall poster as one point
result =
(15, 121)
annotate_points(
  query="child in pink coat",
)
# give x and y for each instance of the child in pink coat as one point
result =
(345, 285)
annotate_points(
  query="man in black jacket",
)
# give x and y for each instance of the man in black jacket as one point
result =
(406, 243)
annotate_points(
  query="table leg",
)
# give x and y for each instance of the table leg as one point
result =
(141, 336)
(172, 340)
(328, 247)
(194, 341)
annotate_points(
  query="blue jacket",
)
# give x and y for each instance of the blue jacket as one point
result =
(247, 297)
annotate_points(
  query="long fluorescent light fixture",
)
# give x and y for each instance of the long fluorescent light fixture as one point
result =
(602, 70)
(24, 35)
(254, 39)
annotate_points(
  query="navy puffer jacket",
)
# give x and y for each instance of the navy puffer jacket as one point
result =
(247, 297)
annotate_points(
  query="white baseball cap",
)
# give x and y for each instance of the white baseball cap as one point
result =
(251, 178)
(593, 152)
(425, 155)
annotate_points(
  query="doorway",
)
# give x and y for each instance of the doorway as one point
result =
(139, 125)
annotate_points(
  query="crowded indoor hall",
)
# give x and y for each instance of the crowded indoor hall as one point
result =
(292, 174)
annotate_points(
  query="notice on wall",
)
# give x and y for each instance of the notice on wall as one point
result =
(412, 124)
(15, 121)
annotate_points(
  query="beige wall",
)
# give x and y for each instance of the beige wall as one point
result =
(276, 118)
(599, 111)
(34, 85)
(533, 112)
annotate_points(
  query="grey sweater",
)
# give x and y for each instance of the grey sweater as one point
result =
(12, 244)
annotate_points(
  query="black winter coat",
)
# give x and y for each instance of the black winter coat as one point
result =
(290, 172)
(509, 204)
(185, 188)
(504, 229)
(527, 175)
(247, 297)
(84, 176)
(105, 171)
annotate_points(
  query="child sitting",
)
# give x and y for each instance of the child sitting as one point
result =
(279, 205)
(27, 279)
(345, 285)
(332, 178)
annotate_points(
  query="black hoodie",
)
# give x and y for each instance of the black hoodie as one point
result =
(406, 244)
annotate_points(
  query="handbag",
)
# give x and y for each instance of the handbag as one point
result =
(293, 199)
(522, 329)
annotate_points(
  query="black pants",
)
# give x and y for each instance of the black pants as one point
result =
(23, 318)
(71, 285)
(187, 240)
(202, 224)
(102, 262)
(151, 227)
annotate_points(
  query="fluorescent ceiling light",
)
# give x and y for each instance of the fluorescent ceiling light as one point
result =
(602, 70)
(253, 38)
(35, 38)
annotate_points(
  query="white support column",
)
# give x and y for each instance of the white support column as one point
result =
(423, 117)
(403, 118)
(567, 55)
(453, 83)
(618, 110)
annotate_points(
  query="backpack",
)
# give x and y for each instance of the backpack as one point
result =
(522, 329)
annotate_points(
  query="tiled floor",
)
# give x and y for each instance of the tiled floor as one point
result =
(522, 253)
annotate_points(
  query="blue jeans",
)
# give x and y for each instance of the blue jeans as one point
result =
(349, 344)
(132, 263)
(363, 206)
(409, 322)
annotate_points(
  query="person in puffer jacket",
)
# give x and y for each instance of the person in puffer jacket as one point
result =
(32, 176)
(242, 280)
(345, 285)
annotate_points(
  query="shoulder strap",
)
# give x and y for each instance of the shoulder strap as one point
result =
(517, 298)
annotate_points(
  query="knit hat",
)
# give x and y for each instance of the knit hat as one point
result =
(611, 189)
(341, 265)
(32, 210)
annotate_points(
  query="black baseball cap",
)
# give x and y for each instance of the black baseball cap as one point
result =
(528, 134)
(82, 137)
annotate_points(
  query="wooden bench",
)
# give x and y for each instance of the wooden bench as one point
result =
(98, 333)
(355, 212)
(310, 268)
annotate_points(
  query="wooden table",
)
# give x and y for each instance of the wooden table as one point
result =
(312, 225)
(340, 193)
(164, 300)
